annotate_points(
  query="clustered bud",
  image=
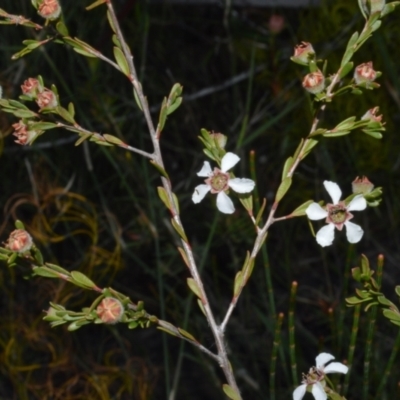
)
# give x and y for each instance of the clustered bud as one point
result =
(19, 241)
(23, 134)
(365, 73)
(31, 87)
(110, 310)
(314, 82)
(372, 115)
(302, 53)
(220, 139)
(377, 5)
(46, 99)
(49, 9)
(362, 185)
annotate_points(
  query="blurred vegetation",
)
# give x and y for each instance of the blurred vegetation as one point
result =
(96, 209)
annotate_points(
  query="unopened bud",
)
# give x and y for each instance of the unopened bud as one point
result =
(302, 53)
(362, 185)
(49, 9)
(220, 139)
(47, 99)
(314, 82)
(377, 5)
(23, 134)
(110, 310)
(31, 87)
(365, 73)
(276, 23)
(19, 241)
(372, 115)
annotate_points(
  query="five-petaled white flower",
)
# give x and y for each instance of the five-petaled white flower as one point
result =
(219, 181)
(315, 379)
(337, 215)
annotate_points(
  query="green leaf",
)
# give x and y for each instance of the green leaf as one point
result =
(135, 95)
(19, 224)
(163, 116)
(193, 287)
(201, 306)
(179, 230)
(393, 316)
(397, 290)
(311, 143)
(62, 29)
(71, 109)
(43, 126)
(24, 114)
(301, 210)
(187, 335)
(83, 137)
(346, 69)
(58, 269)
(82, 280)
(121, 61)
(110, 21)
(283, 188)
(159, 168)
(112, 139)
(164, 197)
(350, 49)
(389, 8)
(230, 392)
(286, 167)
(336, 133)
(84, 52)
(45, 272)
(174, 105)
(374, 134)
(95, 4)
(65, 114)
(238, 283)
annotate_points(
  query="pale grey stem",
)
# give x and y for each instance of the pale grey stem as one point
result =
(217, 333)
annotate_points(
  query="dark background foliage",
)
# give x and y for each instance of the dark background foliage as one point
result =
(96, 209)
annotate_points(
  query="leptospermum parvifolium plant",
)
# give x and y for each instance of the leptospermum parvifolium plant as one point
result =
(40, 110)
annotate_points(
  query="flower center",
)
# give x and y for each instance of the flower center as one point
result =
(338, 214)
(218, 181)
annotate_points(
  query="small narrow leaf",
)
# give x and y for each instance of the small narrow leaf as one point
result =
(179, 230)
(62, 29)
(230, 392)
(283, 188)
(164, 197)
(184, 256)
(187, 335)
(193, 287)
(301, 210)
(112, 139)
(82, 280)
(83, 137)
(96, 4)
(121, 60)
(159, 168)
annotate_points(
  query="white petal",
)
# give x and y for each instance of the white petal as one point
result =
(224, 203)
(199, 193)
(299, 392)
(357, 204)
(228, 161)
(241, 185)
(326, 235)
(314, 211)
(354, 232)
(322, 359)
(334, 191)
(336, 367)
(318, 392)
(206, 171)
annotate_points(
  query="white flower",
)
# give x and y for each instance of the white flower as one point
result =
(316, 377)
(219, 181)
(337, 215)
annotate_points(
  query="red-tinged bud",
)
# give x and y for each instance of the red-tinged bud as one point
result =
(276, 23)
(19, 241)
(365, 73)
(372, 115)
(362, 185)
(49, 9)
(314, 82)
(23, 134)
(220, 139)
(31, 87)
(46, 99)
(110, 310)
(302, 53)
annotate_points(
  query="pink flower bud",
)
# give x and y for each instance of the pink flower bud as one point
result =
(23, 134)
(372, 115)
(49, 9)
(276, 23)
(110, 310)
(303, 53)
(362, 185)
(31, 87)
(219, 138)
(314, 82)
(19, 241)
(46, 99)
(364, 73)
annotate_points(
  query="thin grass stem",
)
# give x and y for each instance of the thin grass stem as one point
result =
(274, 355)
(292, 345)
